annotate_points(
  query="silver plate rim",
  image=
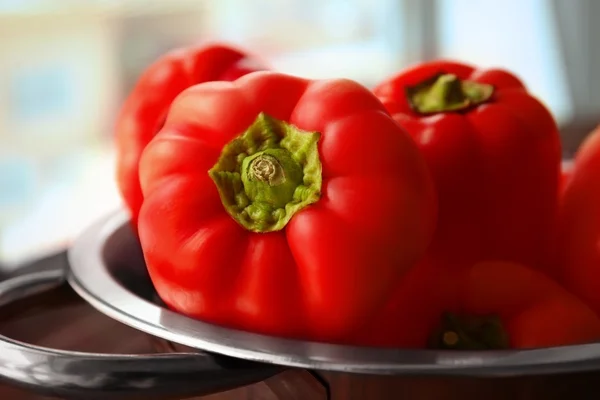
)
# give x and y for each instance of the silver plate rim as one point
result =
(90, 279)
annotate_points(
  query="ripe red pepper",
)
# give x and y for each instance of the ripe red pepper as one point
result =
(509, 305)
(494, 153)
(413, 312)
(281, 205)
(144, 110)
(566, 171)
(579, 232)
(491, 305)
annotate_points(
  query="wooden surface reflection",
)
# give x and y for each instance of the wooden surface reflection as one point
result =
(61, 320)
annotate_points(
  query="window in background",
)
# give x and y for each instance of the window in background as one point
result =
(62, 79)
(56, 96)
(144, 36)
(357, 39)
(67, 65)
(514, 34)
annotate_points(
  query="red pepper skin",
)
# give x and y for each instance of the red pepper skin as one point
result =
(495, 165)
(533, 309)
(336, 261)
(579, 233)
(414, 310)
(145, 109)
(566, 171)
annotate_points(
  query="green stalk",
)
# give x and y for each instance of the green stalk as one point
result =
(268, 173)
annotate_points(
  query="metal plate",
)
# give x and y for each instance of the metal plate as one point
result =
(108, 271)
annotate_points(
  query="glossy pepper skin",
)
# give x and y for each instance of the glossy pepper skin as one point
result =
(414, 310)
(533, 310)
(489, 305)
(579, 233)
(281, 205)
(566, 171)
(494, 153)
(145, 109)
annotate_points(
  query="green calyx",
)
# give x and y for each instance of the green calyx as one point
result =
(447, 93)
(469, 333)
(268, 173)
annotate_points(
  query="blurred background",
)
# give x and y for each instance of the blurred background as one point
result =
(66, 66)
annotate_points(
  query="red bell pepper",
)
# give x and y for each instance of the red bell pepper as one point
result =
(494, 153)
(144, 110)
(579, 233)
(566, 171)
(507, 305)
(413, 312)
(281, 205)
(491, 305)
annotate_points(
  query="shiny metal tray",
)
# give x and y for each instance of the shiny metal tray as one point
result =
(106, 268)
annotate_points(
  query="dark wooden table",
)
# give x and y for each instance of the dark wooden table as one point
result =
(61, 320)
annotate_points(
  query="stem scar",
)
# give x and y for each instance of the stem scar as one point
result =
(450, 338)
(266, 168)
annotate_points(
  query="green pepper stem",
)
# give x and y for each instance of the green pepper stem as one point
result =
(267, 169)
(469, 333)
(268, 173)
(271, 176)
(447, 93)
